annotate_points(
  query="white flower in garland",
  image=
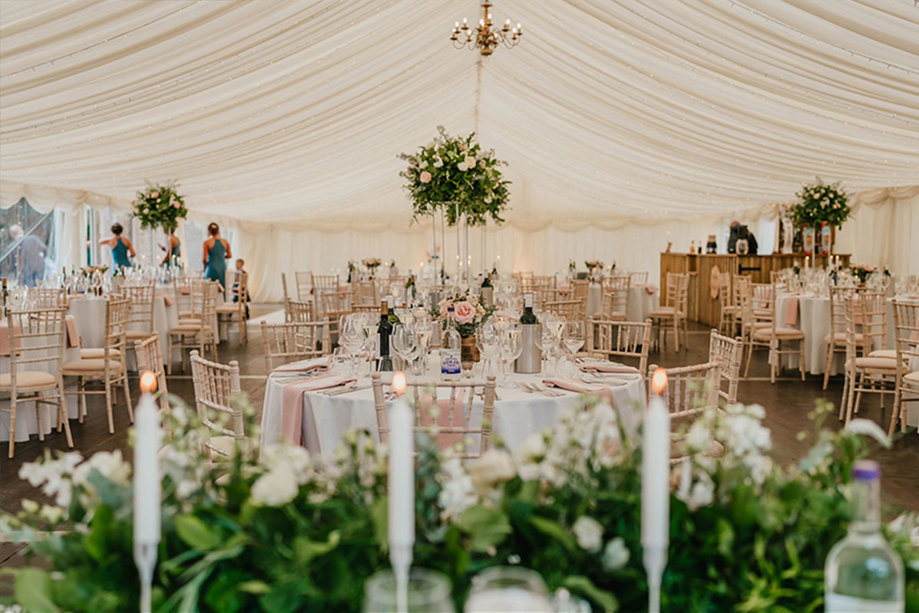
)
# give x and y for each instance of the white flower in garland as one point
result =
(589, 533)
(615, 555)
(275, 488)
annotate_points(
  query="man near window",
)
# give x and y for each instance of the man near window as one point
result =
(28, 257)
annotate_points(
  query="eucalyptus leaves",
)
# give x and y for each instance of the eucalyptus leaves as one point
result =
(160, 206)
(454, 172)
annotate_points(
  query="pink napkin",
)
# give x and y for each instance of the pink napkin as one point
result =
(73, 339)
(573, 385)
(445, 440)
(608, 367)
(304, 366)
(5, 341)
(167, 299)
(292, 403)
(791, 311)
(650, 289)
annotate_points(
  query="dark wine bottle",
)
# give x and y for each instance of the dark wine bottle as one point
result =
(384, 330)
(391, 314)
(528, 316)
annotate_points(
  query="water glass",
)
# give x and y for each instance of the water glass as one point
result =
(508, 588)
(428, 590)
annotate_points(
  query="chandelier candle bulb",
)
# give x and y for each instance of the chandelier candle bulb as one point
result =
(655, 488)
(401, 490)
(147, 484)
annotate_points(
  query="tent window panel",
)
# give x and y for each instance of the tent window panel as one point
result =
(26, 243)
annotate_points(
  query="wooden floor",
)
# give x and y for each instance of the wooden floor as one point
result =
(787, 404)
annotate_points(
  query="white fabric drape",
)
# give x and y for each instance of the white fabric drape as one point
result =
(293, 112)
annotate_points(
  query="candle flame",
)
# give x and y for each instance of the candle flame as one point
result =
(147, 382)
(399, 383)
(659, 381)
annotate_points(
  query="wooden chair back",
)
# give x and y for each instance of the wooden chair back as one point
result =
(215, 384)
(36, 338)
(728, 352)
(149, 353)
(569, 310)
(692, 389)
(323, 282)
(305, 284)
(630, 339)
(141, 306)
(292, 341)
(447, 420)
(300, 311)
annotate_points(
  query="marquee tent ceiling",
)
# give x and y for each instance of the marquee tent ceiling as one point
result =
(294, 112)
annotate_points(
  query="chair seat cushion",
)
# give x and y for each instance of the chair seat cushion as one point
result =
(92, 365)
(839, 338)
(224, 445)
(28, 380)
(134, 335)
(665, 312)
(883, 353)
(98, 353)
(729, 308)
(187, 328)
(230, 307)
(869, 363)
(781, 333)
(762, 313)
(912, 377)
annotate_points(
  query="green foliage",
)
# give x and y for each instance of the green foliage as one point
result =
(757, 543)
(454, 173)
(160, 206)
(820, 203)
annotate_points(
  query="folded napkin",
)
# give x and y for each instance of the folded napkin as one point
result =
(304, 365)
(5, 341)
(608, 367)
(791, 311)
(73, 339)
(573, 385)
(292, 403)
(650, 289)
(167, 299)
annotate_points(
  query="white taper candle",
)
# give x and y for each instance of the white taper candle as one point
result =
(147, 484)
(401, 490)
(655, 488)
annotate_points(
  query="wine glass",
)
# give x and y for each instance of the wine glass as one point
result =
(487, 341)
(428, 590)
(545, 342)
(404, 343)
(511, 347)
(573, 337)
(424, 330)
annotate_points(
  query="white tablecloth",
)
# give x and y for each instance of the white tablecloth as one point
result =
(26, 418)
(642, 300)
(517, 412)
(89, 312)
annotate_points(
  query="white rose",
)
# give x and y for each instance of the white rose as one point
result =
(494, 466)
(294, 458)
(589, 533)
(275, 488)
(699, 437)
(51, 514)
(616, 555)
(438, 163)
(470, 161)
(109, 464)
(463, 166)
(532, 448)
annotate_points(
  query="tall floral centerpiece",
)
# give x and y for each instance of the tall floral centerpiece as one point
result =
(160, 206)
(820, 210)
(456, 176)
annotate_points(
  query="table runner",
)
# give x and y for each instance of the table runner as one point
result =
(292, 402)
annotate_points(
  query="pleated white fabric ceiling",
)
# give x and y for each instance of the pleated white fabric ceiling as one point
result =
(294, 112)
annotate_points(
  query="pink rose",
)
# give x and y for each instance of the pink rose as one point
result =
(175, 204)
(155, 195)
(463, 312)
(425, 177)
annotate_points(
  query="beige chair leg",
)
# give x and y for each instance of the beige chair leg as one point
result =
(829, 361)
(169, 353)
(773, 359)
(12, 423)
(676, 333)
(127, 395)
(801, 364)
(40, 416)
(62, 411)
(108, 406)
(845, 392)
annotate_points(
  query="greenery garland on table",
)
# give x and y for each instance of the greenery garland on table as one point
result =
(288, 533)
(160, 206)
(456, 172)
(820, 203)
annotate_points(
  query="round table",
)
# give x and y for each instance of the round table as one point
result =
(326, 418)
(642, 300)
(26, 416)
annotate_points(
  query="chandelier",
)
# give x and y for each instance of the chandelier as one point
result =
(485, 38)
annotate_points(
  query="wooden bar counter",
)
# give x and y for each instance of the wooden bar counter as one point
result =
(705, 304)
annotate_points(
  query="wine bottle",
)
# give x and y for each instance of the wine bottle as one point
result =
(528, 316)
(5, 296)
(391, 314)
(451, 349)
(384, 330)
(863, 573)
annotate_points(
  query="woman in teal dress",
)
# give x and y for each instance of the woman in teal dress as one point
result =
(120, 247)
(172, 253)
(216, 254)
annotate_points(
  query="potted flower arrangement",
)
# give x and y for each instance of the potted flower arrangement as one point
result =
(469, 312)
(456, 170)
(821, 208)
(160, 206)
(371, 264)
(282, 531)
(862, 272)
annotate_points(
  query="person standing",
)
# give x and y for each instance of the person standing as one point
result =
(28, 257)
(216, 254)
(120, 246)
(172, 252)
